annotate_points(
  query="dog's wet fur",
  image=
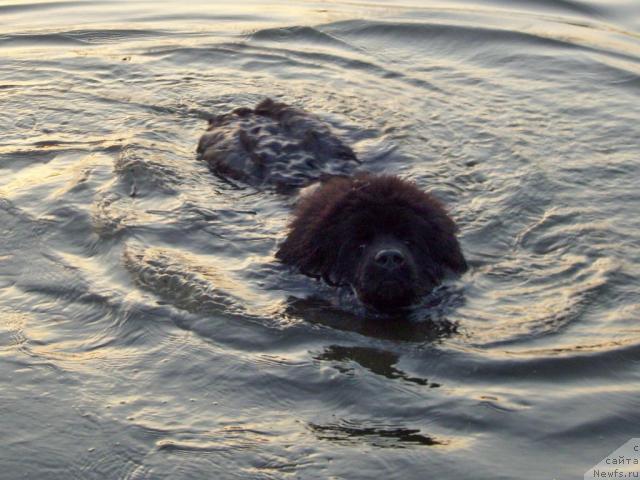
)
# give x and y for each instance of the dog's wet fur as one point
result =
(274, 145)
(383, 236)
(391, 242)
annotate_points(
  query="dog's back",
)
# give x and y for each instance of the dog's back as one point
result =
(275, 145)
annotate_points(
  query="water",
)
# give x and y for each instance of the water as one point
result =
(146, 331)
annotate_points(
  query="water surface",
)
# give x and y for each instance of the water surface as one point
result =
(146, 331)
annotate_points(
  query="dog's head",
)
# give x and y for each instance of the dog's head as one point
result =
(383, 236)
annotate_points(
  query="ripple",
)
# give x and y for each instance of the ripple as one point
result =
(299, 34)
(181, 279)
(454, 39)
(77, 37)
(28, 7)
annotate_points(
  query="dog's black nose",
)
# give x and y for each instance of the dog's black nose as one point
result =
(389, 258)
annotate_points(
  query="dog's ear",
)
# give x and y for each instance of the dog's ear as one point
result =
(443, 243)
(440, 233)
(313, 239)
(308, 248)
(313, 250)
(448, 252)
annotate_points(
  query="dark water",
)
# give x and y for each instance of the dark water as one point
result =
(146, 331)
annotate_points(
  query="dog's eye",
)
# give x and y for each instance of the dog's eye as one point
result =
(362, 247)
(408, 243)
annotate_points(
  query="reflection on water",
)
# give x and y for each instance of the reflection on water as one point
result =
(351, 432)
(146, 330)
(380, 362)
(348, 317)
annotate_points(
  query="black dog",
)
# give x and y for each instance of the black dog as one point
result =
(381, 235)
